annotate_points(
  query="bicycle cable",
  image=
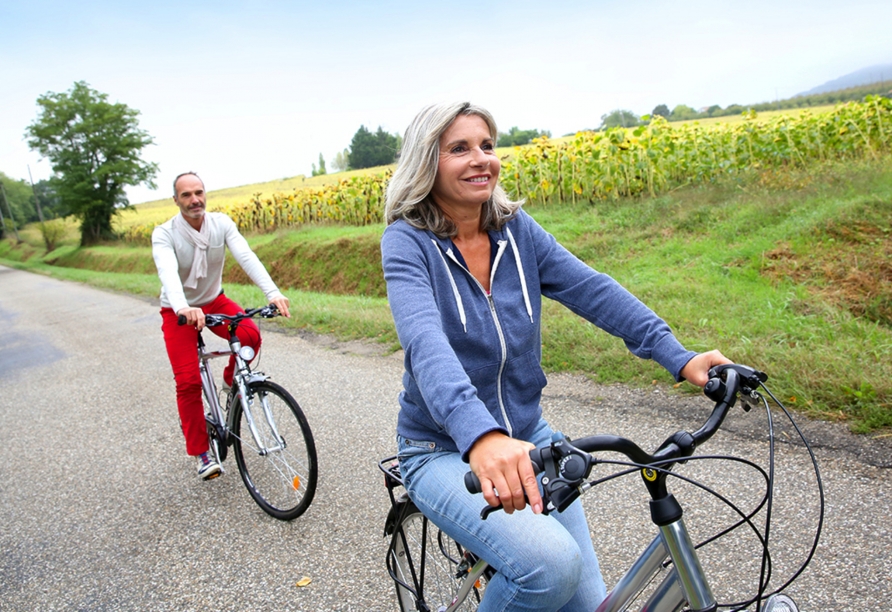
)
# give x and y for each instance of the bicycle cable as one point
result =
(745, 518)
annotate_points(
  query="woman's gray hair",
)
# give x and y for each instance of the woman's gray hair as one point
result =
(408, 194)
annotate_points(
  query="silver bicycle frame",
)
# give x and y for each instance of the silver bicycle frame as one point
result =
(207, 382)
(467, 584)
(241, 378)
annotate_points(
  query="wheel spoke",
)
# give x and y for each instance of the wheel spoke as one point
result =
(435, 557)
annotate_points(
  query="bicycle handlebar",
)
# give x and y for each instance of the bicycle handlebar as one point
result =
(213, 320)
(566, 464)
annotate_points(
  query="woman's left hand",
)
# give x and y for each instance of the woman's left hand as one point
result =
(696, 371)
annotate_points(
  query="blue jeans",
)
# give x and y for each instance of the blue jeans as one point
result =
(543, 562)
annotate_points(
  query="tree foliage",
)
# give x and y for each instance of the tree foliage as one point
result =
(851, 94)
(683, 112)
(368, 150)
(341, 161)
(321, 169)
(660, 110)
(20, 196)
(19, 201)
(619, 118)
(516, 137)
(94, 148)
(50, 204)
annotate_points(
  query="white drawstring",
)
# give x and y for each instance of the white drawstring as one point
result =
(458, 302)
(523, 282)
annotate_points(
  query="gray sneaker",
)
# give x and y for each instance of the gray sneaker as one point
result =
(207, 466)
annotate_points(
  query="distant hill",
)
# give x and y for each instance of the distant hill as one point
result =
(865, 76)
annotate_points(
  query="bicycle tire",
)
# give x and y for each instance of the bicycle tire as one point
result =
(441, 580)
(282, 482)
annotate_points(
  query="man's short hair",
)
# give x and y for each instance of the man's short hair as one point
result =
(179, 176)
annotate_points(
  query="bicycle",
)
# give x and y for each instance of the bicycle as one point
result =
(269, 433)
(432, 572)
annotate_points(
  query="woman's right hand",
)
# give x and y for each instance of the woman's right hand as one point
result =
(503, 464)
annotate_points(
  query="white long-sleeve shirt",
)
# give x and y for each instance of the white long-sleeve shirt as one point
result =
(173, 257)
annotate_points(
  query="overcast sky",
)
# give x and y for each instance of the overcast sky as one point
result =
(245, 92)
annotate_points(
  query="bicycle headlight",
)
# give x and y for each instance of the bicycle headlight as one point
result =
(246, 353)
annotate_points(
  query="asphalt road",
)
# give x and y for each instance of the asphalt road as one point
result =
(100, 508)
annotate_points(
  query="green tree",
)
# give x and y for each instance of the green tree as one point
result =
(660, 110)
(50, 203)
(341, 161)
(368, 150)
(94, 148)
(516, 137)
(682, 112)
(619, 118)
(321, 170)
(19, 200)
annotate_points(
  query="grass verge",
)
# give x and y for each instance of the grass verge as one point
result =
(789, 273)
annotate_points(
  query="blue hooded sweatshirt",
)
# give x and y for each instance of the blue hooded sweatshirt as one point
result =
(472, 359)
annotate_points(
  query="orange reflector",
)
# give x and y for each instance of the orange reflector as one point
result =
(296, 483)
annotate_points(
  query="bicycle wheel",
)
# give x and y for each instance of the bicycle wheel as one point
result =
(279, 473)
(429, 562)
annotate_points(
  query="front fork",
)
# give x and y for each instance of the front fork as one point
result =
(241, 381)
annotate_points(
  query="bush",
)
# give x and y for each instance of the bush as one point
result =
(52, 232)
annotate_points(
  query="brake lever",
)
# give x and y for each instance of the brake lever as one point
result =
(748, 382)
(565, 470)
(487, 510)
(564, 467)
(750, 377)
(269, 311)
(213, 321)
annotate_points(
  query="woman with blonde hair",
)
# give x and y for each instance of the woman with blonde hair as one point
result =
(466, 269)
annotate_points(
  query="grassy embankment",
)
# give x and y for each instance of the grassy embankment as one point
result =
(788, 272)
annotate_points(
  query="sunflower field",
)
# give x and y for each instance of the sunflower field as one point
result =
(593, 166)
(651, 159)
(358, 200)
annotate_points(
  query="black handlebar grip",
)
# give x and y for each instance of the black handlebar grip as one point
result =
(181, 320)
(472, 483)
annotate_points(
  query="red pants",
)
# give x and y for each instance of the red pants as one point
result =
(182, 349)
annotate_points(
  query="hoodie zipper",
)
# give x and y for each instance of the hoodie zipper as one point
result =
(495, 317)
